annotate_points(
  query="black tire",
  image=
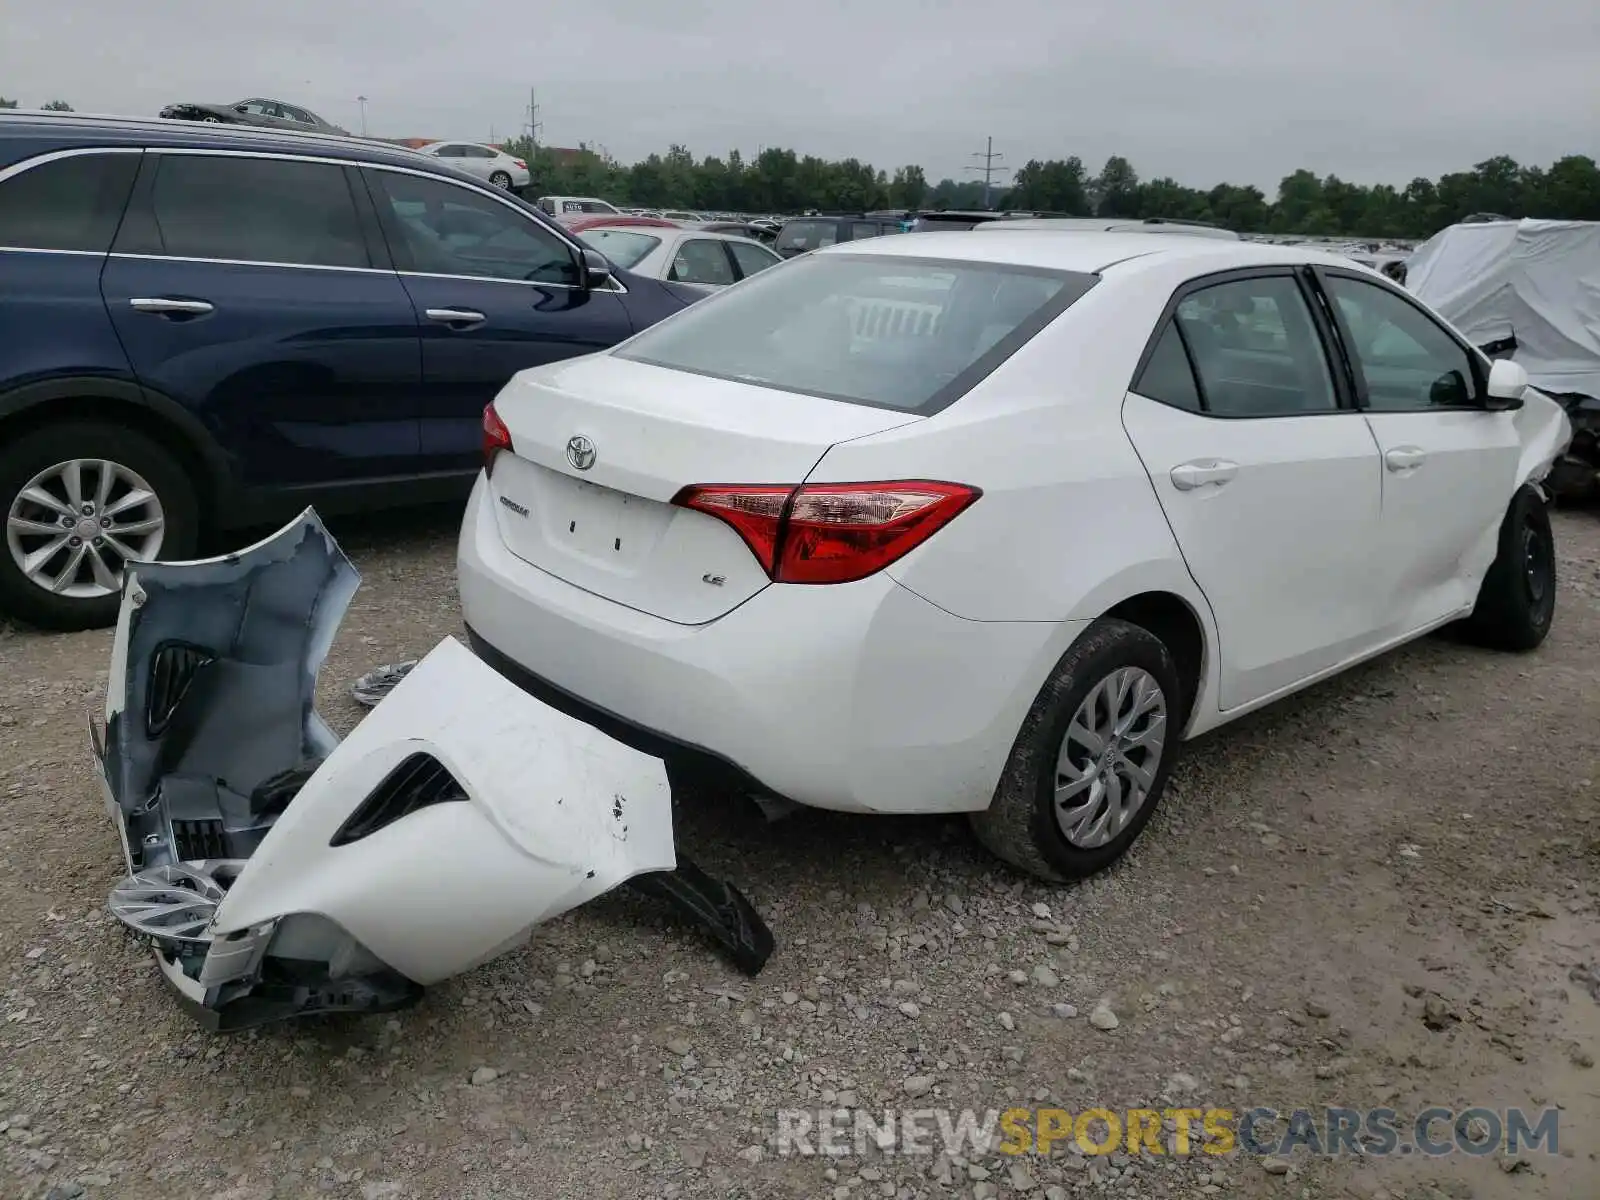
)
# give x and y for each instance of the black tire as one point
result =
(1020, 824)
(26, 456)
(1517, 599)
(501, 180)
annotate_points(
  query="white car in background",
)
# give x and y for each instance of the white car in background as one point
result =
(568, 208)
(704, 261)
(488, 163)
(944, 523)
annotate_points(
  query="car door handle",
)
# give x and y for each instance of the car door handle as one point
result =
(456, 316)
(169, 306)
(1186, 477)
(1404, 458)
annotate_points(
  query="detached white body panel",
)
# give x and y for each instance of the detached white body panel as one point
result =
(279, 871)
(556, 814)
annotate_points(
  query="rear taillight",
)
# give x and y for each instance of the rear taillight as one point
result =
(521, 166)
(830, 532)
(496, 437)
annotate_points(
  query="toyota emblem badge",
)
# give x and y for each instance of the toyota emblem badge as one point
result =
(580, 452)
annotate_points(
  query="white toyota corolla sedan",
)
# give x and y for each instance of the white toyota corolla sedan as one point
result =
(944, 523)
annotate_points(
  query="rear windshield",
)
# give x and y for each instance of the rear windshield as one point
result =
(807, 235)
(586, 206)
(623, 247)
(886, 331)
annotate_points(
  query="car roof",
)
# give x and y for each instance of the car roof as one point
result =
(96, 129)
(1110, 225)
(664, 233)
(1089, 252)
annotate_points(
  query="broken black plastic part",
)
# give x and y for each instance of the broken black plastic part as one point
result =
(272, 795)
(715, 905)
(272, 1001)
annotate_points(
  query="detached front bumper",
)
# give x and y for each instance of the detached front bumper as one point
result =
(279, 871)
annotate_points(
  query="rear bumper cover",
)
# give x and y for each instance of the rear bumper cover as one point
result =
(361, 880)
(859, 697)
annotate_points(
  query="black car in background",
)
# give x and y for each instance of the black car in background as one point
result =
(802, 234)
(258, 111)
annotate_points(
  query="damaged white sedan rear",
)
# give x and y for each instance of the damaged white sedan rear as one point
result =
(278, 871)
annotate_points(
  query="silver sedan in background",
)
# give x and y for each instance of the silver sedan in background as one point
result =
(486, 162)
(702, 260)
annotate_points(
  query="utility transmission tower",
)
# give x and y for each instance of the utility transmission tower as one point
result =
(990, 158)
(534, 124)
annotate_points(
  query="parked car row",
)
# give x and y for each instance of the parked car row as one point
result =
(208, 324)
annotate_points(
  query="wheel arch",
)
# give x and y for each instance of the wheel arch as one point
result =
(48, 402)
(1175, 621)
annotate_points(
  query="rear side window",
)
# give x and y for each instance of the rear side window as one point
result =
(71, 203)
(1167, 376)
(256, 210)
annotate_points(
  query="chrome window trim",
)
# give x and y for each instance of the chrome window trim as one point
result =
(45, 250)
(249, 262)
(27, 164)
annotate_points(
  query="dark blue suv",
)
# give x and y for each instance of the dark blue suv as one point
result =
(204, 327)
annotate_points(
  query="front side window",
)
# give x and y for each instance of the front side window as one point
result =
(752, 258)
(258, 108)
(700, 260)
(71, 203)
(1256, 350)
(437, 228)
(622, 246)
(907, 334)
(253, 210)
(1406, 360)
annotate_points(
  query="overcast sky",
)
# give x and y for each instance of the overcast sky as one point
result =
(1236, 90)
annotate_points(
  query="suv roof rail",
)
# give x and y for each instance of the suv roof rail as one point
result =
(221, 129)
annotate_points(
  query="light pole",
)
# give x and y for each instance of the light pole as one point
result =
(362, 100)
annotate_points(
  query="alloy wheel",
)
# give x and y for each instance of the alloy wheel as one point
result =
(75, 525)
(1109, 757)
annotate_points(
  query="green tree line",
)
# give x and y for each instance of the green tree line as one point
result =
(779, 180)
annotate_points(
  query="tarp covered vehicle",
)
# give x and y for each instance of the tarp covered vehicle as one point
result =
(278, 871)
(1529, 291)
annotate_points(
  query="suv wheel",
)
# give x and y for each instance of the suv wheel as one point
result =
(80, 500)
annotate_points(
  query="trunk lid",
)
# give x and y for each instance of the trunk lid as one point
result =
(645, 433)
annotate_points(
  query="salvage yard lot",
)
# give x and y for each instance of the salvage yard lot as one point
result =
(1418, 839)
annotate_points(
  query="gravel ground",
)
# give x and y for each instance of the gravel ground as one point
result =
(1374, 894)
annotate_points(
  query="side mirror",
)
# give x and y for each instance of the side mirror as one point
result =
(1508, 382)
(596, 270)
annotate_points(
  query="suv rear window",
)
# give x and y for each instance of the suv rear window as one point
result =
(71, 203)
(884, 331)
(807, 235)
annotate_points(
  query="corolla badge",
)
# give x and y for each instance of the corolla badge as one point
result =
(580, 452)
